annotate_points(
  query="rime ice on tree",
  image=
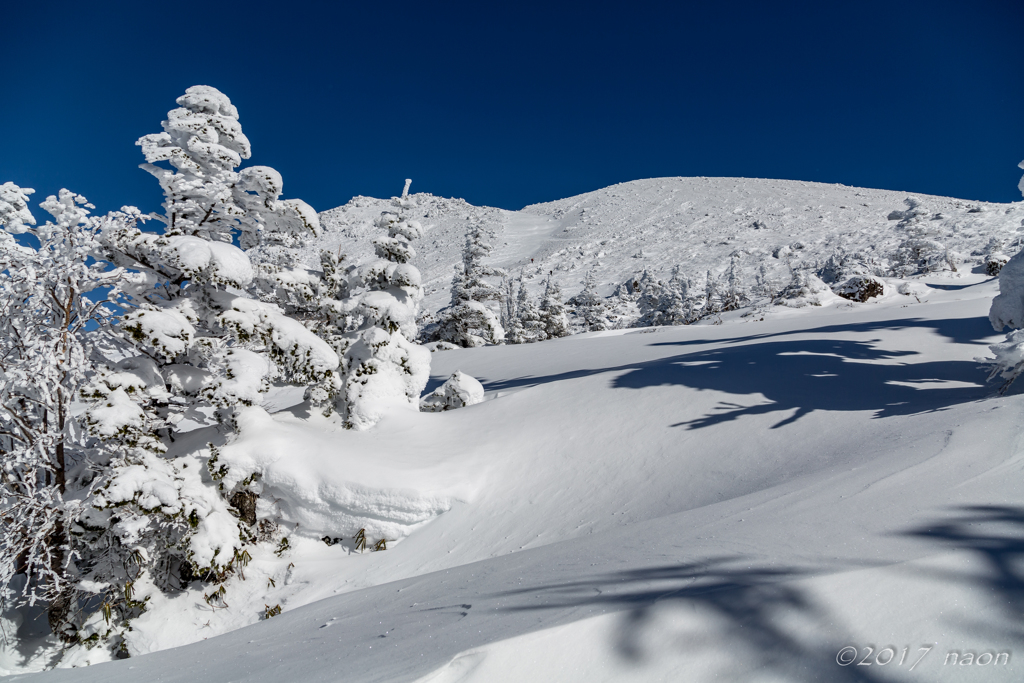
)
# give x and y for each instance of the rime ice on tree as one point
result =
(469, 321)
(384, 368)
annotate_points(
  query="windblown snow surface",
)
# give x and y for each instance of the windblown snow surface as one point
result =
(830, 493)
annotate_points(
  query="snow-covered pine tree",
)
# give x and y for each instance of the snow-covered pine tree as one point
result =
(649, 294)
(206, 197)
(673, 301)
(193, 344)
(712, 296)
(50, 295)
(510, 310)
(384, 368)
(469, 321)
(589, 308)
(733, 296)
(765, 283)
(552, 313)
(528, 327)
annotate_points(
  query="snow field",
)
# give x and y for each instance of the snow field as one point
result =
(732, 502)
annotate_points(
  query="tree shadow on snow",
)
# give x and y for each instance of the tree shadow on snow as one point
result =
(799, 376)
(994, 535)
(802, 376)
(755, 613)
(957, 330)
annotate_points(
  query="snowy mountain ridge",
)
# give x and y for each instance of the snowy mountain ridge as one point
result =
(655, 224)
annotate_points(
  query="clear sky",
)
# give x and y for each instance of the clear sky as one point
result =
(512, 103)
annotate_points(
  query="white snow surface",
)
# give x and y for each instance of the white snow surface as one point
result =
(736, 502)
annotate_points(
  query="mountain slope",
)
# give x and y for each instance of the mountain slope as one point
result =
(698, 503)
(713, 501)
(697, 223)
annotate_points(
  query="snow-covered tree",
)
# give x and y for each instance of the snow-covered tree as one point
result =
(589, 307)
(188, 304)
(469, 321)
(733, 296)
(384, 368)
(920, 252)
(649, 294)
(765, 282)
(49, 296)
(510, 321)
(528, 327)
(1008, 311)
(712, 296)
(552, 313)
(677, 305)
(195, 344)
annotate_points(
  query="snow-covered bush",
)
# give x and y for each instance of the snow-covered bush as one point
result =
(920, 252)
(460, 390)
(469, 321)
(860, 288)
(805, 289)
(994, 257)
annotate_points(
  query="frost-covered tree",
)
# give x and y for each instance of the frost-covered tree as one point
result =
(712, 295)
(589, 307)
(1008, 311)
(195, 347)
(649, 294)
(920, 252)
(510, 310)
(384, 368)
(528, 327)
(677, 305)
(733, 296)
(50, 294)
(206, 197)
(469, 321)
(765, 282)
(553, 318)
(188, 305)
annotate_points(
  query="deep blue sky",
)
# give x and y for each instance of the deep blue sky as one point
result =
(508, 104)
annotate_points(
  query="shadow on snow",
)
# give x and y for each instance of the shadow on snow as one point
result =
(757, 609)
(804, 375)
(993, 534)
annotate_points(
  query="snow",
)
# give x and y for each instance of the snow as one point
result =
(14, 212)
(694, 222)
(459, 391)
(117, 412)
(733, 501)
(215, 261)
(323, 491)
